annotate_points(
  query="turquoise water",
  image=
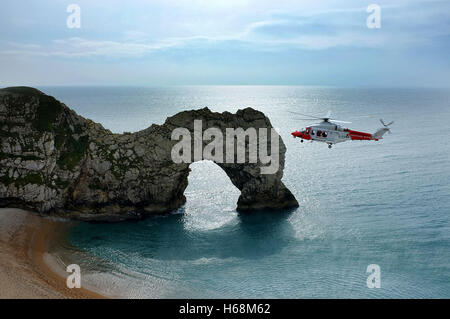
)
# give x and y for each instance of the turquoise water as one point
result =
(361, 203)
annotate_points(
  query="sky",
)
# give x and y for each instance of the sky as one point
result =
(225, 42)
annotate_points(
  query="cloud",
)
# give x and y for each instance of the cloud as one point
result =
(402, 25)
(202, 42)
(264, 35)
(309, 33)
(77, 47)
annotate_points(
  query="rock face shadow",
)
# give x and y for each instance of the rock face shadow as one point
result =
(253, 236)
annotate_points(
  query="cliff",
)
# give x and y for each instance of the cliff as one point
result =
(56, 162)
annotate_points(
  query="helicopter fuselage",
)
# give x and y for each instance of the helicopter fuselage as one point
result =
(331, 133)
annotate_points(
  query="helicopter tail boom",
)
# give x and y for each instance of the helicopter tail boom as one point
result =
(360, 136)
(380, 132)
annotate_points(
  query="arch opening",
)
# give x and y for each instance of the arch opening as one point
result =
(211, 197)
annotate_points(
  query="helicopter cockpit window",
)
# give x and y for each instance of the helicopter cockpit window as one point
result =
(307, 131)
(313, 132)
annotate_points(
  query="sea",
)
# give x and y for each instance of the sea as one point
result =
(373, 220)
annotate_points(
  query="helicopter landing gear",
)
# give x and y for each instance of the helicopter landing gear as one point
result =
(301, 141)
(329, 145)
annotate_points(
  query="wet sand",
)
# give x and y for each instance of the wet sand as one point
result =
(24, 272)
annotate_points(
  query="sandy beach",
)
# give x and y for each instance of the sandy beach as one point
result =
(24, 272)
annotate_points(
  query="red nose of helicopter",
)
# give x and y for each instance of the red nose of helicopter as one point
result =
(301, 134)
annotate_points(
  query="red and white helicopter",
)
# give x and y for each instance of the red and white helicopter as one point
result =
(331, 133)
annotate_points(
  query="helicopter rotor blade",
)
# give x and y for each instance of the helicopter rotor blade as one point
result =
(339, 121)
(313, 117)
(298, 113)
(370, 115)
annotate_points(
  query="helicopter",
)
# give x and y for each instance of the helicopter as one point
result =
(328, 131)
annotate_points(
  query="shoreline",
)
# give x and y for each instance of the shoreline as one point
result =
(24, 271)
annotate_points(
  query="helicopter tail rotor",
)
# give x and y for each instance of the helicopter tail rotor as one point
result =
(386, 126)
(385, 129)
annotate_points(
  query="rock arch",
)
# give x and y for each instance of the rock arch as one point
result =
(57, 162)
(258, 191)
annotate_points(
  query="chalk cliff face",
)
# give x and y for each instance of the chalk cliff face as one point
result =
(56, 162)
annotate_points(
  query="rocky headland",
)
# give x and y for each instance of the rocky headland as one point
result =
(56, 162)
